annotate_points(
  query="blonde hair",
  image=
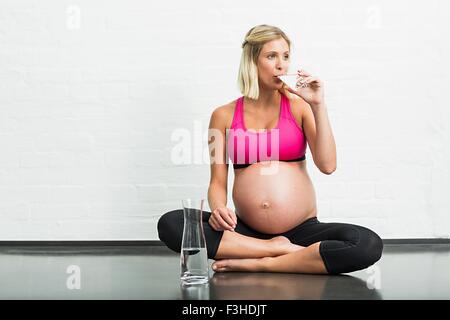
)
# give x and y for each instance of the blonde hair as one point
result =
(254, 40)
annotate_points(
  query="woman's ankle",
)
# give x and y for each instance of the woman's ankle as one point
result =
(281, 245)
(265, 264)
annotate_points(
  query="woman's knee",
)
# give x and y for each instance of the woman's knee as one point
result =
(370, 247)
(358, 248)
(170, 229)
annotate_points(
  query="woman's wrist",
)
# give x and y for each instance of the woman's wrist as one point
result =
(214, 204)
(318, 105)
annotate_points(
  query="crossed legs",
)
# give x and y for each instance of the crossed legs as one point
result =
(311, 247)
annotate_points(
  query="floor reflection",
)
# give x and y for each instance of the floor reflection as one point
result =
(280, 286)
(195, 292)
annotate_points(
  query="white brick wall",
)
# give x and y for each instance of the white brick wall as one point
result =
(92, 91)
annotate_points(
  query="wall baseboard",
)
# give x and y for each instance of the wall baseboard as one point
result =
(157, 243)
(418, 241)
(81, 243)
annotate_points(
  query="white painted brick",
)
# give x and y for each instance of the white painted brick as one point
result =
(5, 178)
(14, 230)
(413, 173)
(56, 212)
(54, 91)
(108, 229)
(344, 171)
(87, 115)
(128, 211)
(31, 108)
(331, 190)
(360, 190)
(78, 109)
(114, 90)
(80, 142)
(34, 159)
(85, 91)
(68, 194)
(182, 191)
(346, 190)
(63, 125)
(117, 73)
(95, 176)
(69, 159)
(174, 174)
(8, 124)
(401, 191)
(38, 229)
(52, 75)
(36, 194)
(355, 208)
(40, 176)
(10, 160)
(15, 142)
(324, 209)
(13, 212)
(112, 194)
(34, 124)
(371, 172)
(118, 159)
(18, 91)
(152, 193)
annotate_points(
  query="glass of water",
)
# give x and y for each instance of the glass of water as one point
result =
(193, 256)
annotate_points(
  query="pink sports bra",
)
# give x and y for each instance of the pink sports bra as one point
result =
(285, 142)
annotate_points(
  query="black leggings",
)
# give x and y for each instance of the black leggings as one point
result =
(343, 247)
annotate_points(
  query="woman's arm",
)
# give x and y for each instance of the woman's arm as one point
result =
(325, 146)
(217, 196)
(222, 218)
(315, 121)
(217, 191)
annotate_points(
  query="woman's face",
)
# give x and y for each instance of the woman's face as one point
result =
(273, 61)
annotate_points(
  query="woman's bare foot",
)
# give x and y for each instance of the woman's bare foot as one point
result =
(240, 265)
(282, 245)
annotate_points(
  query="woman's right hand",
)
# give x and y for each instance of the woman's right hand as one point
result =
(223, 218)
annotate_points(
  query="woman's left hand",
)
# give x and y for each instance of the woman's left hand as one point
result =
(308, 88)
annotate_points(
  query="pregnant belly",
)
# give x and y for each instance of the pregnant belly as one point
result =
(274, 199)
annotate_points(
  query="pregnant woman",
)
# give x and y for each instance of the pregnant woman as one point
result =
(265, 133)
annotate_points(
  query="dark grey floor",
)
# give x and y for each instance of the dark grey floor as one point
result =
(144, 272)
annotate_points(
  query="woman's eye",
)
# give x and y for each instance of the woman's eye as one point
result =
(287, 57)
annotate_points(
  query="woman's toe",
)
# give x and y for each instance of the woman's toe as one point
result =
(219, 265)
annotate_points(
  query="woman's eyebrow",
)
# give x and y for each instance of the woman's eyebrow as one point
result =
(276, 52)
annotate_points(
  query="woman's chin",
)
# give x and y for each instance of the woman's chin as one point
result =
(278, 86)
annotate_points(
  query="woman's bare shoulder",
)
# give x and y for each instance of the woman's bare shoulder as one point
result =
(225, 113)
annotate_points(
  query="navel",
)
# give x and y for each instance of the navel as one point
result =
(265, 205)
